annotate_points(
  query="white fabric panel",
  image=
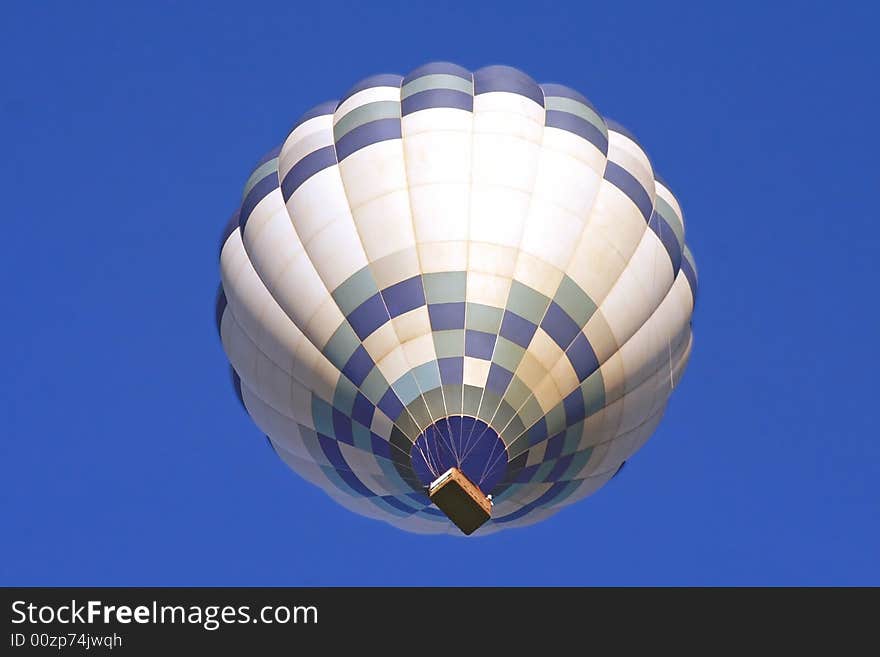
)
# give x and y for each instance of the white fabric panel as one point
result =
(306, 138)
(621, 448)
(394, 365)
(302, 464)
(507, 134)
(487, 289)
(365, 97)
(420, 350)
(437, 151)
(287, 272)
(600, 336)
(611, 235)
(476, 371)
(530, 370)
(319, 210)
(537, 274)
(641, 288)
(681, 365)
(254, 307)
(267, 228)
(586, 487)
(628, 154)
(574, 146)
(264, 322)
(652, 341)
(317, 203)
(280, 428)
(381, 342)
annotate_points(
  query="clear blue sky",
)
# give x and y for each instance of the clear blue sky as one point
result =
(128, 130)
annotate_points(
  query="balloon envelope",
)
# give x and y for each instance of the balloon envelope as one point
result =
(456, 268)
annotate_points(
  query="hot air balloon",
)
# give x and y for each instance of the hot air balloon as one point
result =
(456, 301)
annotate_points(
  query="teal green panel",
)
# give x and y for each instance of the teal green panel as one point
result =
(543, 470)
(579, 460)
(449, 343)
(322, 416)
(574, 301)
(513, 430)
(507, 354)
(310, 440)
(381, 109)
(503, 415)
(436, 81)
(531, 412)
(517, 392)
(665, 210)
(517, 446)
(488, 405)
(527, 303)
(555, 420)
(452, 393)
(508, 492)
(344, 395)
(572, 438)
(561, 104)
(690, 258)
(406, 388)
(566, 492)
(445, 287)
(420, 413)
(483, 318)
(406, 424)
(362, 437)
(593, 389)
(434, 400)
(259, 173)
(341, 345)
(374, 386)
(422, 416)
(472, 396)
(427, 375)
(356, 289)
